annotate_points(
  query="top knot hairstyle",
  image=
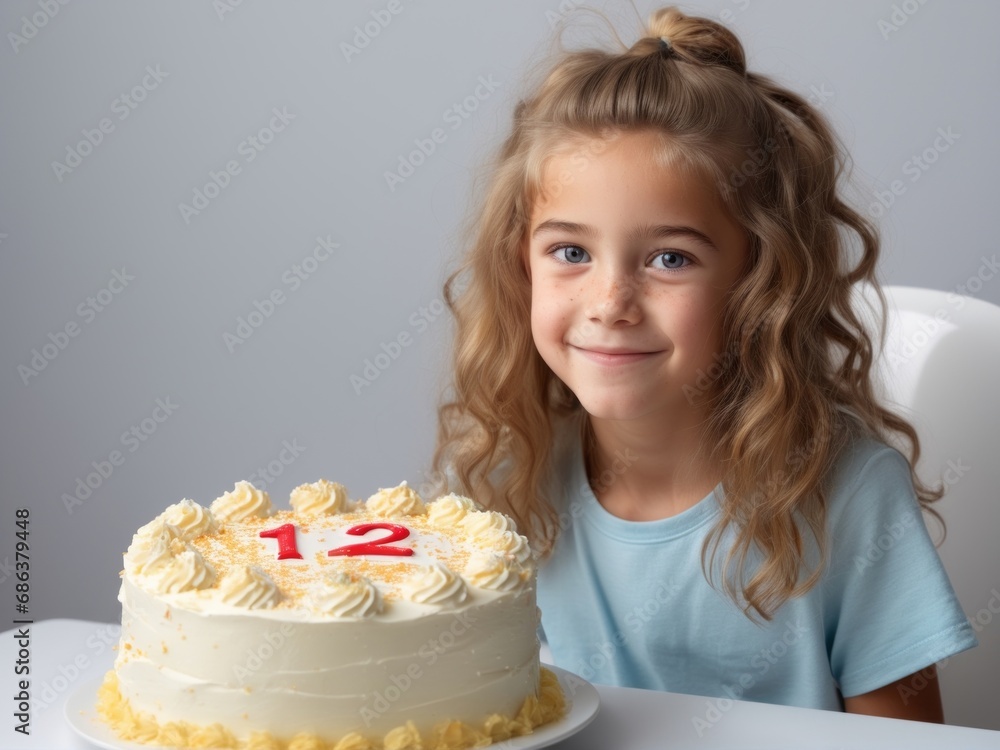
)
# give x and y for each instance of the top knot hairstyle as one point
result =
(794, 384)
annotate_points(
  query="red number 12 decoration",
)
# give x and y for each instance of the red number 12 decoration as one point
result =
(287, 549)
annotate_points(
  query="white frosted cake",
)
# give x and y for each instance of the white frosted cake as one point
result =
(335, 625)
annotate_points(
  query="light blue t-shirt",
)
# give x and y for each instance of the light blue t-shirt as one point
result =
(626, 602)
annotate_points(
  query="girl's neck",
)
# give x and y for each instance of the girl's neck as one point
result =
(645, 473)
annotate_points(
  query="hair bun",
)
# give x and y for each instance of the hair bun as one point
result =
(693, 39)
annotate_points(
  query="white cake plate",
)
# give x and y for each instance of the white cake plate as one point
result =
(582, 698)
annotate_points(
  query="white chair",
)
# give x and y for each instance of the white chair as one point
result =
(940, 368)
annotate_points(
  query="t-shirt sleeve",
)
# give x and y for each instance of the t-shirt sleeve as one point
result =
(889, 607)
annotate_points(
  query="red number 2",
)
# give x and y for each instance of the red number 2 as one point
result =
(378, 546)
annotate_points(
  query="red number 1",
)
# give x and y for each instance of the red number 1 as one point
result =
(378, 546)
(285, 535)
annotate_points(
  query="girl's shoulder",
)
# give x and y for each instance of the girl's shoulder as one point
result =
(870, 477)
(861, 452)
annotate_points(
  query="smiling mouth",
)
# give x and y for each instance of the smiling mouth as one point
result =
(608, 357)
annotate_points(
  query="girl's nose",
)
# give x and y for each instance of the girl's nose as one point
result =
(615, 300)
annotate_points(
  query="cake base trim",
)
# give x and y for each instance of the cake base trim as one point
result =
(114, 709)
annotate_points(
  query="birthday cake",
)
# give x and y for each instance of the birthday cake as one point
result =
(334, 625)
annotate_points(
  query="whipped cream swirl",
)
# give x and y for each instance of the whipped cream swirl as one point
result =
(185, 572)
(322, 498)
(495, 571)
(401, 500)
(343, 596)
(191, 519)
(406, 737)
(449, 510)
(243, 501)
(435, 584)
(248, 586)
(510, 543)
(487, 522)
(150, 548)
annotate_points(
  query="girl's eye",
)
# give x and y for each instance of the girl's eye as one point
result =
(673, 261)
(571, 254)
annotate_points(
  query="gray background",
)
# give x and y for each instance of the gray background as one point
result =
(162, 337)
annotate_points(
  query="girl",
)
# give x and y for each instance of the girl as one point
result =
(658, 372)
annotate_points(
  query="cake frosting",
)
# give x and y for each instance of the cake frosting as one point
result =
(334, 625)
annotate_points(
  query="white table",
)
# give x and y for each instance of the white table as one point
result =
(67, 653)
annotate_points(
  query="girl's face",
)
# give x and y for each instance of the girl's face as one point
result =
(630, 264)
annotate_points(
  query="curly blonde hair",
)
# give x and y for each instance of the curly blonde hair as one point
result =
(795, 384)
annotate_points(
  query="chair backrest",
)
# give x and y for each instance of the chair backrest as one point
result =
(940, 368)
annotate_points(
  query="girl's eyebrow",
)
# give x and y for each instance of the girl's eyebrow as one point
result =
(650, 231)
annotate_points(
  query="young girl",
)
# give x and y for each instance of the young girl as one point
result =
(658, 372)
